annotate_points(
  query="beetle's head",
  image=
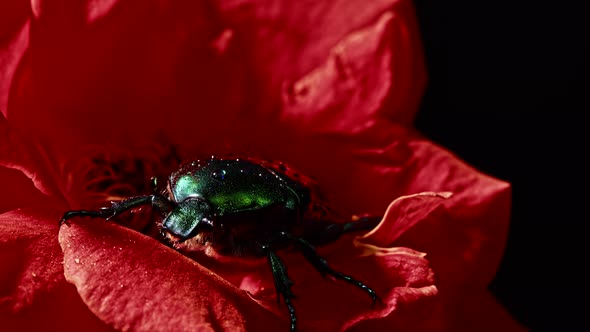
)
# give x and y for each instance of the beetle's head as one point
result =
(188, 219)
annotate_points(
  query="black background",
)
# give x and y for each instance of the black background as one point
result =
(508, 93)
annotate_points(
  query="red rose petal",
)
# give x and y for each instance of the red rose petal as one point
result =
(13, 15)
(110, 60)
(22, 191)
(286, 40)
(14, 40)
(122, 73)
(422, 221)
(31, 256)
(359, 82)
(401, 277)
(33, 292)
(14, 151)
(19, 153)
(467, 239)
(402, 214)
(133, 282)
(93, 9)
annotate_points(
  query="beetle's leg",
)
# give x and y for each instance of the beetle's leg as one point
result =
(320, 264)
(363, 222)
(282, 282)
(160, 203)
(333, 231)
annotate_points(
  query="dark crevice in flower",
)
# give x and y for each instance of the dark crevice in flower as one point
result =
(111, 173)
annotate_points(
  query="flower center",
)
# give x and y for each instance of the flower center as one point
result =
(109, 173)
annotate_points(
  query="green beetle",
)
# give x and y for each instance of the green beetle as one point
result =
(244, 206)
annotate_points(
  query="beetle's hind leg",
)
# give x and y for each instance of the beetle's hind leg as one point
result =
(320, 264)
(282, 282)
(160, 203)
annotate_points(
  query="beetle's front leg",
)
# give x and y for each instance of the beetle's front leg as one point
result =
(282, 282)
(160, 203)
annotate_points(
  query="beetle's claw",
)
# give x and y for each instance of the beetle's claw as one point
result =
(105, 213)
(375, 298)
(108, 213)
(66, 217)
(64, 220)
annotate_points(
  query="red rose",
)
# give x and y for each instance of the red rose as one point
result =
(99, 95)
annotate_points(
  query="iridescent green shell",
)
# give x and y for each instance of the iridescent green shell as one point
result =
(237, 185)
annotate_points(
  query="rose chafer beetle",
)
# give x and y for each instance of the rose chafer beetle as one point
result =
(245, 206)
